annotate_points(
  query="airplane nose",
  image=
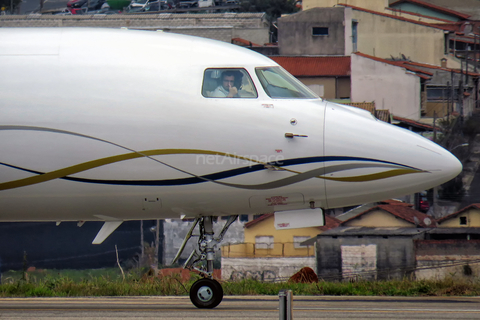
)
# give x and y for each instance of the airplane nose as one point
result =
(370, 160)
(439, 162)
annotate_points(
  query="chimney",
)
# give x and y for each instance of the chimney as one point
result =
(443, 62)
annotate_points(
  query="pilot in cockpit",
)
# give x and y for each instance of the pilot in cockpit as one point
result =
(231, 82)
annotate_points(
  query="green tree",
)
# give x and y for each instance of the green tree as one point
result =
(8, 3)
(272, 8)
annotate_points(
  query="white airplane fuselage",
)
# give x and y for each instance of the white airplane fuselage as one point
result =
(99, 124)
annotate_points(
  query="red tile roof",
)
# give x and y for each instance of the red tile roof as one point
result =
(243, 42)
(257, 220)
(418, 15)
(403, 212)
(418, 72)
(393, 202)
(472, 206)
(330, 223)
(415, 123)
(459, 26)
(449, 28)
(315, 66)
(431, 66)
(434, 7)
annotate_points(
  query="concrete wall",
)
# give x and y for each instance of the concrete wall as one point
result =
(366, 257)
(447, 258)
(255, 35)
(384, 37)
(295, 32)
(265, 269)
(348, 31)
(220, 26)
(389, 86)
(376, 5)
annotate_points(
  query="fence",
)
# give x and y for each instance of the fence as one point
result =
(262, 250)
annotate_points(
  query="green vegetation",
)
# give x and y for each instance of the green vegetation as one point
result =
(74, 283)
(272, 8)
(7, 5)
(110, 282)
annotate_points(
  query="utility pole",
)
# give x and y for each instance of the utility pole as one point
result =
(142, 243)
(451, 91)
(157, 244)
(460, 92)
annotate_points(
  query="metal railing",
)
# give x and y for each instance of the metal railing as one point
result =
(273, 249)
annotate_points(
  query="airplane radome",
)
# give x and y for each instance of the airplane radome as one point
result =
(113, 125)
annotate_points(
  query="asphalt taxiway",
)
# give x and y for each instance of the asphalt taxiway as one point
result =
(241, 307)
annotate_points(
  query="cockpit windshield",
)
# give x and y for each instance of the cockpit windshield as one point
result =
(279, 84)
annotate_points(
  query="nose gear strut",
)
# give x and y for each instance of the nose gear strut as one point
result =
(207, 292)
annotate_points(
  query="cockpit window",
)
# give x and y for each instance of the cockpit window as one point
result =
(228, 83)
(279, 84)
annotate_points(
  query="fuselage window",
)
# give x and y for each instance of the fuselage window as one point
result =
(228, 83)
(279, 84)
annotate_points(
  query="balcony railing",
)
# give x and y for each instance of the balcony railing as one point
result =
(262, 250)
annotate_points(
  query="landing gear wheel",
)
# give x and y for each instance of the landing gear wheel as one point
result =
(206, 293)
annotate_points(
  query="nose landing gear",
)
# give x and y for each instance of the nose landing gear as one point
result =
(207, 292)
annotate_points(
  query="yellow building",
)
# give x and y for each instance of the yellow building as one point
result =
(391, 215)
(425, 12)
(372, 28)
(466, 217)
(262, 239)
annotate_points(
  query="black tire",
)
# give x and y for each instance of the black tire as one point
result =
(206, 293)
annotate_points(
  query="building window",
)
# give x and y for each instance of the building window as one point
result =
(439, 93)
(264, 242)
(463, 221)
(244, 217)
(319, 31)
(297, 240)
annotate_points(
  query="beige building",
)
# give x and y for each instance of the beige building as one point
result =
(370, 29)
(467, 217)
(262, 239)
(391, 215)
(430, 11)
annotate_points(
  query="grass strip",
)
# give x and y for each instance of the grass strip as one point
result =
(109, 282)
